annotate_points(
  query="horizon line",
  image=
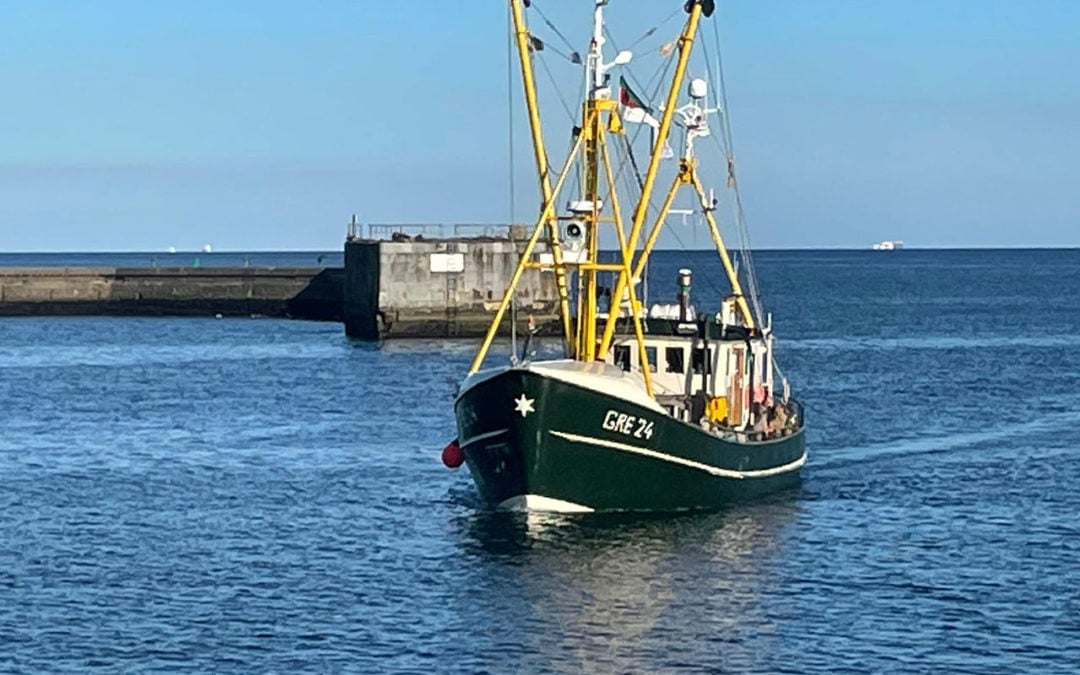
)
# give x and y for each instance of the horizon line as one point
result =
(976, 247)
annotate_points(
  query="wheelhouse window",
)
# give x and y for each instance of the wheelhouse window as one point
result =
(650, 354)
(700, 363)
(676, 362)
(622, 356)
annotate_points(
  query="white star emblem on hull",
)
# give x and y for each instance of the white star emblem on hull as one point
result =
(524, 405)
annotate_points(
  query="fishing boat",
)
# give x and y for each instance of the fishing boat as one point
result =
(674, 406)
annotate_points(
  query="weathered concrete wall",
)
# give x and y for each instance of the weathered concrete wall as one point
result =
(308, 293)
(437, 288)
(361, 292)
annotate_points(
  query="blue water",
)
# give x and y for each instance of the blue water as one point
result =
(266, 496)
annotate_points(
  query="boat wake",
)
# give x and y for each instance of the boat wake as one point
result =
(934, 342)
(1048, 426)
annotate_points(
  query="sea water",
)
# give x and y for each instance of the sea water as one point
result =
(266, 496)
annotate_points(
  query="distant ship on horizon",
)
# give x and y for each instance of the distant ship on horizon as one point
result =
(889, 245)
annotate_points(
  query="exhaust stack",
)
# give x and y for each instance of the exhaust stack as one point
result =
(684, 278)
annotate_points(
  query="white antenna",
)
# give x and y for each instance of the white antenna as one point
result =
(594, 64)
(595, 68)
(694, 116)
(709, 204)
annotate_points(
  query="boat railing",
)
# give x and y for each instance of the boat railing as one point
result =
(797, 413)
(792, 426)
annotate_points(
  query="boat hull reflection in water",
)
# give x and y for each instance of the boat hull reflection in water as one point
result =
(606, 590)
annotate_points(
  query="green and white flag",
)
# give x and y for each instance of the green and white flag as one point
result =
(634, 108)
(635, 111)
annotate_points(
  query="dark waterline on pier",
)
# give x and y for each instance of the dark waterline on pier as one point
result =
(178, 259)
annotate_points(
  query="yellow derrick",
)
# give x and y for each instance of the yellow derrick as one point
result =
(521, 33)
(545, 214)
(601, 116)
(686, 41)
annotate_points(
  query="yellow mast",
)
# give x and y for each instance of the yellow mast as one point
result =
(718, 241)
(686, 41)
(688, 176)
(547, 212)
(595, 102)
(521, 33)
(635, 306)
(590, 141)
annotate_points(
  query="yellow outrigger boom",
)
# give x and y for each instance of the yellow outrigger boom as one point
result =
(601, 117)
(521, 33)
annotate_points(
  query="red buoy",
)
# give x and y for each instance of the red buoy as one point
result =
(452, 456)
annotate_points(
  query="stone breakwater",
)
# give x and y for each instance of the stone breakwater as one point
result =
(302, 293)
(399, 288)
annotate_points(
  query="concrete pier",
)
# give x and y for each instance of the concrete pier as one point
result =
(414, 286)
(394, 285)
(302, 293)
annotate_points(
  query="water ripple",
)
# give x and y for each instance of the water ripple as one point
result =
(266, 496)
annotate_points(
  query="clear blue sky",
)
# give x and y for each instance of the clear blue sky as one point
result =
(134, 125)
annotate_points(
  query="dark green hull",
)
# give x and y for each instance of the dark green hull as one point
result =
(590, 449)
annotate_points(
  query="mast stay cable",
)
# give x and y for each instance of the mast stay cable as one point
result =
(728, 150)
(510, 148)
(651, 88)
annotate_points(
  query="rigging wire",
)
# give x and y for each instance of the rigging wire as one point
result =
(574, 56)
(537, 46)
(727, 149)
(634, 180)
(510, 152)
(740, 217)
(740, 214)
(652, 90)
(655, 82)
(510, 109)
(510, 148)
(554, 85)
(629, 74)
(635, 183)
(653, 86)
(649, 33)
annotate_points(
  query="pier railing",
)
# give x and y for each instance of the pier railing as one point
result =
(435, 231)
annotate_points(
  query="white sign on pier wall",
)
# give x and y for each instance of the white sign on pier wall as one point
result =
(447, 262)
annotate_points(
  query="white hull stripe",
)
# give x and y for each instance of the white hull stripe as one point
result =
(481, 437)
(542, 503)
(714, 470)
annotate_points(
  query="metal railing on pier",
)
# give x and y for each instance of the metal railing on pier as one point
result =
(393, 231)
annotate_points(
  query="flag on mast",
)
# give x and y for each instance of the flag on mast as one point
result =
(635, 111)
(634, 108)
